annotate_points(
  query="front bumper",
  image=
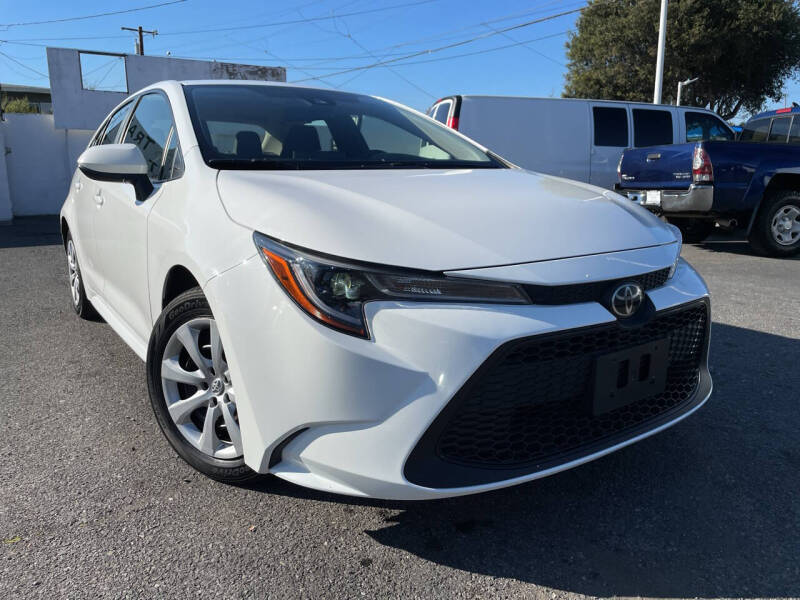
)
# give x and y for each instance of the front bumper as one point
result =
(354, 410)
(697, 199)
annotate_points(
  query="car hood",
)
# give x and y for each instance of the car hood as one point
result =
(438, 220)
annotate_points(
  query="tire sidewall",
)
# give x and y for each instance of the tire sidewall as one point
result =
(765, 241)
(187, 306)
(80, 307)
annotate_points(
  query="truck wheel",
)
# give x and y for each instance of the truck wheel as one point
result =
(776, 230)
(693, 231)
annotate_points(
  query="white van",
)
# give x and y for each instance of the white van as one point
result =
(577, 139)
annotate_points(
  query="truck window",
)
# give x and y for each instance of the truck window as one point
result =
(610, 126)
(755, 131)
(779, 130)
(651, 127)
(702, 127)
(794, 132)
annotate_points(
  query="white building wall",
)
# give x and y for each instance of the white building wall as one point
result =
(5, 195)
(39, 163)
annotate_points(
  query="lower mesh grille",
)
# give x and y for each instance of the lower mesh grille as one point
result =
(528, 404)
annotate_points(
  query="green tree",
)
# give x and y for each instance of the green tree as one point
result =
(18, 105)
(743, 51)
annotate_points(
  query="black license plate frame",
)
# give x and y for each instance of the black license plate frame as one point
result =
(621, 378)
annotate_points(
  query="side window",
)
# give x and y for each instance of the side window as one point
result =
(149, 128)
(109, 136)
(441, 112)
(173, 159)
(610, 126)
(651, 127)
(702, 127)
(755, 131)
(794, 132)
(779, 130)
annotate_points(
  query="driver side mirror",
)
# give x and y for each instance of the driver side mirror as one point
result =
(117, 162)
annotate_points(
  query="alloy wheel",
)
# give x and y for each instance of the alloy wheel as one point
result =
(200, 396)
(74, 273)
(786, 225)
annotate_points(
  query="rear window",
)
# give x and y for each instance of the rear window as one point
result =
(651, 127)
(441, 111)
(702, 127)
(779, 130)
(755, 131)
(610, 126)
(794, 132)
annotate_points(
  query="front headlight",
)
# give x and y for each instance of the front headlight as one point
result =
(679, 238)
(334, 291)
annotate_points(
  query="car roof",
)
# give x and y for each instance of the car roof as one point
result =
(647, 104)
(778, 111)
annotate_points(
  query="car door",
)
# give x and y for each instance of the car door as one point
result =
(610, 137)
(121, 223)
(85, 192)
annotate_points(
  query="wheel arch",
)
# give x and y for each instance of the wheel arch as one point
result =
(178, 279)
(782, 180)
(64, 231)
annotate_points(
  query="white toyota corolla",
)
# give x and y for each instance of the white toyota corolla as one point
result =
(341, 291)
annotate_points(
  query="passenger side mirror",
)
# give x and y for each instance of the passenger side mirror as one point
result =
(117, 162)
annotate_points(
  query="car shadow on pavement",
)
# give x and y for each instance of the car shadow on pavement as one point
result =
(24, 232)
(731, 243)
(708, 508)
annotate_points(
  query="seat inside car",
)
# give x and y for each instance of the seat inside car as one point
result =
(248, 145)
(301, 142)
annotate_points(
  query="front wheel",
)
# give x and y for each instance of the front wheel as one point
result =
(776, 230)
(191, 391)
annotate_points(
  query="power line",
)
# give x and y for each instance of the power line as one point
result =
(448, 46)
(23, 65)
(304, 20)
(94, 16)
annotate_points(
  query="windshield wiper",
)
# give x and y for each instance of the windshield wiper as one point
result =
(283, 164)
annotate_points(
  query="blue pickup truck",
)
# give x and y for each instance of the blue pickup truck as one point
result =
(751, 183)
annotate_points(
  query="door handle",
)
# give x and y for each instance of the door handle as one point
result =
(78, 185)
(99, 200)
(654, 156)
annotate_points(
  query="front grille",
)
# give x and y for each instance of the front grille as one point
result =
(593, 291)
(527, 406)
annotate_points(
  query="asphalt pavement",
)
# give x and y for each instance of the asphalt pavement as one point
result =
(94, 503)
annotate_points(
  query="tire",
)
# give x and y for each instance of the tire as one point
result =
(693, 231)
(204, 429)
(776, 229)
(80, 302)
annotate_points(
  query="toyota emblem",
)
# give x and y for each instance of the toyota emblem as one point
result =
(627, 299)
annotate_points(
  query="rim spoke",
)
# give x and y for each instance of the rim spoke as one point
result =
(216, 351)
(172, 370)
(208, 438)
(180, 410)
(188, 338)
(232, 426)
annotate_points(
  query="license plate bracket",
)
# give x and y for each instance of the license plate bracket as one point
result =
(624, 377)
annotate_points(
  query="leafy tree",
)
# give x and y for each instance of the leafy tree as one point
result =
(18, 105)
(743, 51)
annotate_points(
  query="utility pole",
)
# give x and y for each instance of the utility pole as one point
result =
(140, 42)
(662, 38)
(681, 85)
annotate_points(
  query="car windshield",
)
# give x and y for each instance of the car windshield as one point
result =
(282, 127)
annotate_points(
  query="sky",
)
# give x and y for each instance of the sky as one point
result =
(427, 48)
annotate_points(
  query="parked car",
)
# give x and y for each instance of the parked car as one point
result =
(753, 183)
(577, 139)
(349, 295)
